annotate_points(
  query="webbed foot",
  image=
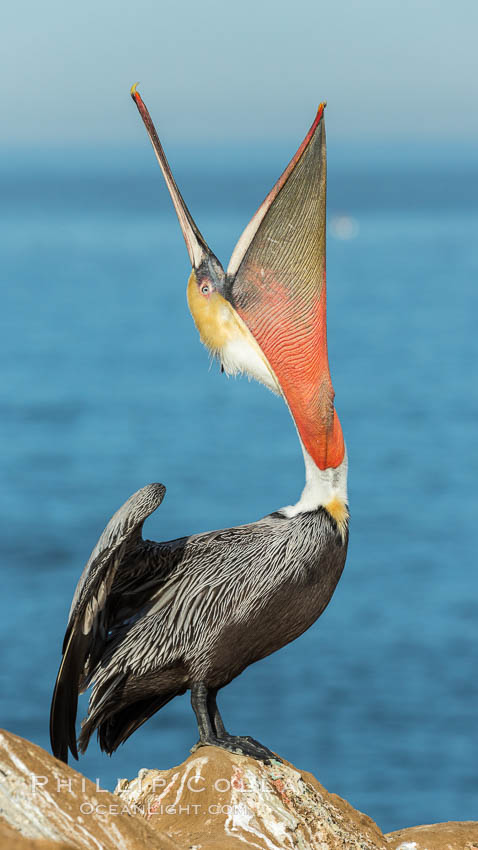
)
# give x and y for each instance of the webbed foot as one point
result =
(240, 745)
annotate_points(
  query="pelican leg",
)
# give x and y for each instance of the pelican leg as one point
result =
(199, 702)
(215, 716)
(211, 728)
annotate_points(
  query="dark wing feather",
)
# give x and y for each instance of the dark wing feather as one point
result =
(89, 615)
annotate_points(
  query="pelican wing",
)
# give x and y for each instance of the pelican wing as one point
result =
(277, 285)
(89, 617)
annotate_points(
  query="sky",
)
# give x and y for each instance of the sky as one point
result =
(392, 70)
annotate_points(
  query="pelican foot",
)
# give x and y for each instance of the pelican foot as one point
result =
(243, 746)
(252, 747)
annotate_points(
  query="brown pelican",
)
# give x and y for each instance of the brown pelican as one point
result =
(151, 620)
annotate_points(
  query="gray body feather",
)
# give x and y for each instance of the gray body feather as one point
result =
(149, 619)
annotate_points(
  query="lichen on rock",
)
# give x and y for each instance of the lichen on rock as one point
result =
(234, 801)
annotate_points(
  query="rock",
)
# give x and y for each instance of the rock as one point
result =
(437, 836)
(10, 839)
(42, 798)
(213, 801)
(220, 801)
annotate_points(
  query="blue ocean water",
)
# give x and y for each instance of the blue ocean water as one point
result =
(105, 387)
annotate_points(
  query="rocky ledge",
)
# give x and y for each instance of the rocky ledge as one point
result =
(214, 801)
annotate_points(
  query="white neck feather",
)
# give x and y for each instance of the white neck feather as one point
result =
(239, 352)
(322, 486)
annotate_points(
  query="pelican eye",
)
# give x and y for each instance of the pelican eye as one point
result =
(205, 288)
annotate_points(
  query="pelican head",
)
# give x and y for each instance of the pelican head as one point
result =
(220, 327)
(266, 316)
